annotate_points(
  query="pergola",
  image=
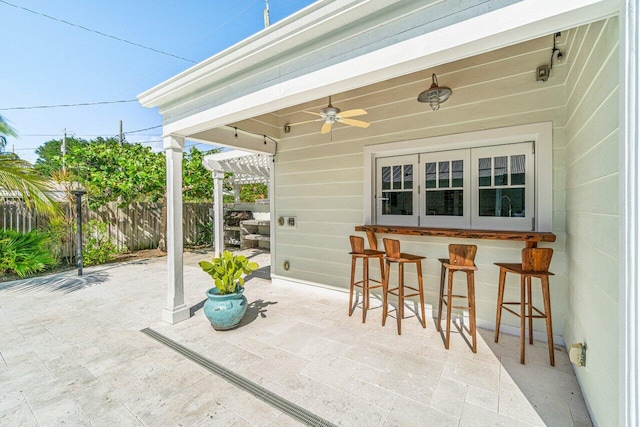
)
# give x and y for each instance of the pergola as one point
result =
(247, 168)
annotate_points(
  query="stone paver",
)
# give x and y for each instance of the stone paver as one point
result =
(71, 352)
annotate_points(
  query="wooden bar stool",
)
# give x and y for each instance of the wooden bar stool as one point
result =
(359, 252)
(393, 255)
(461, 258)
(535, 263)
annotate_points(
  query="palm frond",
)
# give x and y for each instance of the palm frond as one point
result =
(5, 130)
(18, 176)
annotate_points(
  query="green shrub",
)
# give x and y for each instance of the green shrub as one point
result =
(24, 253)
(98, 248)
(59, 230)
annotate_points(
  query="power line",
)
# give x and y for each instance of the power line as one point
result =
(82, 104)
(97, 32)
(142, 130)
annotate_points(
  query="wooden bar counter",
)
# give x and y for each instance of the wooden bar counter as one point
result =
(531, 238)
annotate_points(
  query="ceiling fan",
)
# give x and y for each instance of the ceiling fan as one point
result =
(330, 115)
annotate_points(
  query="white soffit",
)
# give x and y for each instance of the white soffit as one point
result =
(509, 25)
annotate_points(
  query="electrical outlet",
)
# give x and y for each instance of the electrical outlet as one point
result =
(287, 221)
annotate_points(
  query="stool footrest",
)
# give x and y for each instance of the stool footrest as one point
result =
(453, 296)
(459, 306)
(540, 315)
(360, 283)
(395, 292)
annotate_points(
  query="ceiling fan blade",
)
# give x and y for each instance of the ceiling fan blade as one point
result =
(326, 128)
(356, 123)
(307, 121)
(311, 112)
(353, 113)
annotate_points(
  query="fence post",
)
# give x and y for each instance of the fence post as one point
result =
(79, 194)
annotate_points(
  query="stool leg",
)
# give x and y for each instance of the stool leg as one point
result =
(503, 275)
(385, 287)
(365, 288)
(449, 301)
(471, 294)
(530, 304)
(400, 309)
(353, 278)
(523, 316)
(547, 311)
(421, 290)
(443, 272)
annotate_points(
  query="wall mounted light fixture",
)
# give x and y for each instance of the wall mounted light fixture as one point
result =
(543, 72)
(435, 95)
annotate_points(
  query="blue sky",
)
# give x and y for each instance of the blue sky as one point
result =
(46, 62)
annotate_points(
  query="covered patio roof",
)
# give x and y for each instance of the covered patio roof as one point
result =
(352, 49)
(336, 46)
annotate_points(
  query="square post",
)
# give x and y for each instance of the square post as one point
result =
(175, 310)
(218, 211)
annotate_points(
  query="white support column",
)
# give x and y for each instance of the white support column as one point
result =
(629, 297)
(272, 210)
(218, 211)
(175, 310)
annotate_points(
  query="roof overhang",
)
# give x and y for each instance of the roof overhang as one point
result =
(485, 27)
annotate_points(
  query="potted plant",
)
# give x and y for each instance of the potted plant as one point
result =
(225, 303)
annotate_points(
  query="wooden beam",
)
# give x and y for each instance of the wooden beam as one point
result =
(531, 237)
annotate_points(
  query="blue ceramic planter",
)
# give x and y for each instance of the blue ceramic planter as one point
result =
(225, 311)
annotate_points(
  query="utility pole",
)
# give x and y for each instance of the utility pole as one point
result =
(120, 133)
(266, 14)
(63, 149)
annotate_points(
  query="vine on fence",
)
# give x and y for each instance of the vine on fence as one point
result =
(98, 247)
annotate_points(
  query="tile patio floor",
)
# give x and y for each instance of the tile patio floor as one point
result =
(71, 352)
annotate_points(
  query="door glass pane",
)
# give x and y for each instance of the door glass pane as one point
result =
(397, 177)
(500, 170)
(517, 169)
(408, 177)
(444, 202)
(484, 172)
(501, 202)
(443, 174)
(386, 178)
(457, 173)
(430, 175)
(397, 203)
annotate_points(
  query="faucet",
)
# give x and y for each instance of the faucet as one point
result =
(500, 205)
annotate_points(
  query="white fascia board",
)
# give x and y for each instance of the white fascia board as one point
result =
(306, 25)
(503, 27)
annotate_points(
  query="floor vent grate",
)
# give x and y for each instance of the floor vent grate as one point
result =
(287, 407)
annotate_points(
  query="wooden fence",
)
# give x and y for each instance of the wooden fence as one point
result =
(134, 227)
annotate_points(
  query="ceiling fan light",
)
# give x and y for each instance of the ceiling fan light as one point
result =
(435, 95)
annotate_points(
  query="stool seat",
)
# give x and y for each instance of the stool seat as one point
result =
(394, 256)
(448, 265)
(518, 269)
(461, 258)
(535, 263)
(368, 253)
(406, 258)
(359, 252)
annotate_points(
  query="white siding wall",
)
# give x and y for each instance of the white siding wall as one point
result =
(592, 213)
(320, 181)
